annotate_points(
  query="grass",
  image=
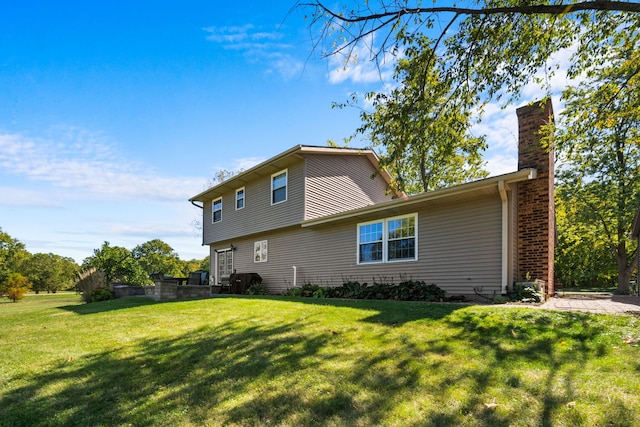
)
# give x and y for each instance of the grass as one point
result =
(283, 361)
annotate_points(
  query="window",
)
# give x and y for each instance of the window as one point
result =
(217, 210)
(370, 242)
(279, 187)
(388, 240)
(401, 233)
(260, 251)
(240, 198)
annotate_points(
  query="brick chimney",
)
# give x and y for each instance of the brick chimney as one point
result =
(536, 209)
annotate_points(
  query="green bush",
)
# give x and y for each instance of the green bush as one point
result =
(409, 290)
(100, 294)
(526, 294)
(256, 290)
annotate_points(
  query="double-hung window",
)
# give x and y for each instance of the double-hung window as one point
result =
(388, 240)
(216, 211)
(240, 198)
(279, 187)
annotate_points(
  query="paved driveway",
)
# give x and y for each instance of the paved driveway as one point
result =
(594, 303)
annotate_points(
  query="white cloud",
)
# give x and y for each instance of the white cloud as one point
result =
(360, 67)
(259, 46)
(499, 164)
(80, 165)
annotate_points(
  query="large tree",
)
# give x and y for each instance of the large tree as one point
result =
(118, 265)
(156, 256)
(423, 141)
(600, 148)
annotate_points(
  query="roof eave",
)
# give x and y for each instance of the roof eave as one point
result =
(521, 175)
(240, 179)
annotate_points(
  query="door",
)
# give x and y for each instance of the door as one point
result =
(224, 265)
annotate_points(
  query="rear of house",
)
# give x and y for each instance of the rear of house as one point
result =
(326, 216)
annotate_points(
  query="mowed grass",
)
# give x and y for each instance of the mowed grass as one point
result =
(276, 361)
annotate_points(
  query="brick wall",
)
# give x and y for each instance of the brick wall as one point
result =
(536, 211)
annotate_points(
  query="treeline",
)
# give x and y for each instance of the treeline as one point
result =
(41, 272)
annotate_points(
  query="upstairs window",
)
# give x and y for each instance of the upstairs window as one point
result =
(240, 198)
(217, 210)
(388, 240)
(279, 187)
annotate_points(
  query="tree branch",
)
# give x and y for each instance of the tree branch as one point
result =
(549, 9)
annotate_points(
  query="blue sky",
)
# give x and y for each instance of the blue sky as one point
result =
(113, 114)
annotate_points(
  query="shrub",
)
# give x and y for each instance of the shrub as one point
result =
(409, 290)
(101, 294)
(90, 280)
(256, 290)
(526, 294)
(15, 286)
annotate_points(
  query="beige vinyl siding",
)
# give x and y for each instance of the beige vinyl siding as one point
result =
(340, 183)
(258, 215)
(458, 248)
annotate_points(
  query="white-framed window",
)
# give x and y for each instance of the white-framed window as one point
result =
(388, 240)
(279, 187)
(240, 198)
(216, 210)
(260, 251)
(370, 242)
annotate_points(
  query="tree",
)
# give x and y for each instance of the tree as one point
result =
(118, 265)
(49, 272)
(15, 286)
(12, 254)
(582, 257)
(156, 256)
(425, 140)
(488, 47)
(600, 148)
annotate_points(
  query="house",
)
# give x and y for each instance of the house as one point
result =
(325, 215)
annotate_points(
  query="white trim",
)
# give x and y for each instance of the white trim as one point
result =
(286, 186)
(244, 197)
(385, 239)
(260, 251)
(213, 210)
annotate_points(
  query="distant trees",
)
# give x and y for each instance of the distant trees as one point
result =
(51, 273)
(135, 267)
(44, 272)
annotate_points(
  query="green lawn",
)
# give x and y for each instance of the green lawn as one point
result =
(275, 361)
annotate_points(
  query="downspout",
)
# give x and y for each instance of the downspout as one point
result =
(505, 236)
(295, 271)
(193, 202)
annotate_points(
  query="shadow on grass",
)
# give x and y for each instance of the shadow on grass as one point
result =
(387, 312)
(109, 305)
(248, 371)
(557, 346)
